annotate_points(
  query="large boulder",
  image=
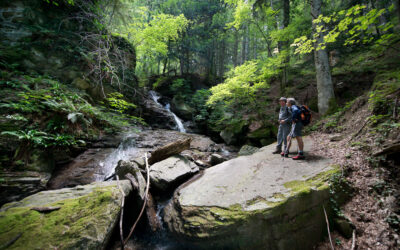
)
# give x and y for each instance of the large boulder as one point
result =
(168, 173)
(83, 217)
(256, 201)
(157, 116)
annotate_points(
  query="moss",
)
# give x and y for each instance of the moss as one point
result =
(319, 182)
(62, 228)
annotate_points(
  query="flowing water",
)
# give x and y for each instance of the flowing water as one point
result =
(126, 150)
(155, 96)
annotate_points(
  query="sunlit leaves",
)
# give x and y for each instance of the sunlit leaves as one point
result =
(241, 82)
(242, 13)
(351, 23)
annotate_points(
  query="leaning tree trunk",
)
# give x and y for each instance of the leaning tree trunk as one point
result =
(326, 94)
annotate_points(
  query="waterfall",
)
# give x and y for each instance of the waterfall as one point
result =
(154, 95)
(126, 149)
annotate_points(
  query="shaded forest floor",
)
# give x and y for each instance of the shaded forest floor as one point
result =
(355, 143)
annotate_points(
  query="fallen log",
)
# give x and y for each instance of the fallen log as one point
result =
(168, 150)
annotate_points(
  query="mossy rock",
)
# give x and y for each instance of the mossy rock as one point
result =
(255, 201)
(85, 219)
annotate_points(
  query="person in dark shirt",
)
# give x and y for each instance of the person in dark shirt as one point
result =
(296, 130)
(284, 120)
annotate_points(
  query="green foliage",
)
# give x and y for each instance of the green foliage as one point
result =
(385, 83)
(116, 103)
(181, 89)
(352, 23)
(37, 138)
(55, 115)
(240, 85)
(199, 100)
(57, 2)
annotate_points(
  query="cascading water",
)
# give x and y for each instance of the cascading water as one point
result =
(125, 150)
(155, 96)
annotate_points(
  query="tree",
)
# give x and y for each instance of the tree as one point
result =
(326, 95)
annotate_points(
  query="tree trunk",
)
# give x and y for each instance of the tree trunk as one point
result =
(221, 58)
(397, 5)
(324, 80)
(244, 46)
(235, 48)
(285, 45)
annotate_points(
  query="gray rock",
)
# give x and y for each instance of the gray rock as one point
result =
(17, 185)
(228, 137)
(125, 167)
(171, 171)
(216, 159)
(86, 218)
(84, 169)
(140, 162)
(247, 150)
(256, 201)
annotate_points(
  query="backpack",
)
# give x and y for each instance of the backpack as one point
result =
(305, 115)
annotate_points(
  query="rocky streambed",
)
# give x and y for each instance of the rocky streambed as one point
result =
(202, 197)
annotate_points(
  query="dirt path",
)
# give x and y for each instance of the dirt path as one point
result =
(374, 199)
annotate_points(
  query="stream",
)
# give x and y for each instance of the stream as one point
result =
(155, 96)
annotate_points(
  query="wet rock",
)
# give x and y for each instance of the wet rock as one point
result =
(255, 201)
(216, 159)
(84, 169)
(156, 116)
(86, 218)
(167, 173)
(247, 150)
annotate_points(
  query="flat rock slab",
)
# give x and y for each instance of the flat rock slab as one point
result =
(85, 219)
(254, 201)
(167, 173)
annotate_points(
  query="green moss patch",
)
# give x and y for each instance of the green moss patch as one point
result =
(318, 182)
(79, 223)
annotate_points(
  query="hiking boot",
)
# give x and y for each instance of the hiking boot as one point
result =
(299, 157)
(285, 155)
(277, 151)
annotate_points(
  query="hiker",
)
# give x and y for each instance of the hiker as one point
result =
(284, 119)
(295, 131)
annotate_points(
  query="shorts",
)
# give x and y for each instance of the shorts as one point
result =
(296, 129)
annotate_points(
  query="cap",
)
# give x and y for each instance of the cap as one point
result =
(282, 99)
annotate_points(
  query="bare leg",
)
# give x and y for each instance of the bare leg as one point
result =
(289, 143)
(300, 143)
